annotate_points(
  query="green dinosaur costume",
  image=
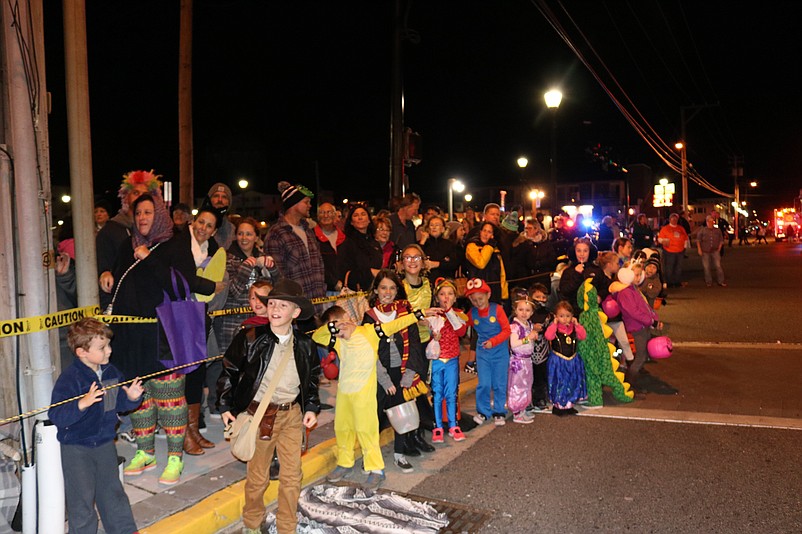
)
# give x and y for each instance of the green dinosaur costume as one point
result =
(601, 368)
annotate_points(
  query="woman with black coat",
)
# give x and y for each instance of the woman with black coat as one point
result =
(360, 256)
(442, 254)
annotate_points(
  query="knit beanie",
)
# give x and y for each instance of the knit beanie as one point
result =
(653, 261)
(510, 221)
(219, 186)
(292, 194)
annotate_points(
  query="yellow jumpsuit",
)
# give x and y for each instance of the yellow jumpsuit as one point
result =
(356, 412)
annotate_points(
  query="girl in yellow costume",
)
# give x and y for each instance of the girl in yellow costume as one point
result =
(356, 415)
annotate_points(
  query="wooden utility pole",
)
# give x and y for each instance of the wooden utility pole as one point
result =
(397, 110)
(80, 144)
(185, 148)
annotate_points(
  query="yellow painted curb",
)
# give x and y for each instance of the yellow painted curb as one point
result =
(224, 507)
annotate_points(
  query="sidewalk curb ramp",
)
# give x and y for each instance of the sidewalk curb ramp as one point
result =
(224, 508)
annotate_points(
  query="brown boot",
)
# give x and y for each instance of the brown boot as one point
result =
(192, 427)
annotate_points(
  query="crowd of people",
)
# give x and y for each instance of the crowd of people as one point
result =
(508, 287)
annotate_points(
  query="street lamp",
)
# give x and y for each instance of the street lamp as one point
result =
(553, 98)
(468, 197)
(242, 183)
(66, 199)
(453, 185)
(683, 152)
(535, 195)
(522, 162)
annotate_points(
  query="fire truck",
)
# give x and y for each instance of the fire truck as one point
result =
(786, 223)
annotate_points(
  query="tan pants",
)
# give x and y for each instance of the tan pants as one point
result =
(287, 440)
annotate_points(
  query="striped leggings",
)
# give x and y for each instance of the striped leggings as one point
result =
(163, 403)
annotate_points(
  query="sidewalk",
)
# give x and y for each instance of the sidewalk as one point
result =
(210, 495)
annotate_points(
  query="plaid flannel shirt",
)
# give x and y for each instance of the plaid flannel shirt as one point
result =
(294, 260)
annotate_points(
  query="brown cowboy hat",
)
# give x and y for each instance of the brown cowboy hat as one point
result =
(290, 290)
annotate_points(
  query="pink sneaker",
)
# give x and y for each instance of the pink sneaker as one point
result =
(437, 435)
(456, 433)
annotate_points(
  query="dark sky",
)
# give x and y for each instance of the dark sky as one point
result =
(281, 86)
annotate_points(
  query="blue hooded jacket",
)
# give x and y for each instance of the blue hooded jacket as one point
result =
(97, 424)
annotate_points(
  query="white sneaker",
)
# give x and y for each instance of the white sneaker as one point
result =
(499, 420)
(523, 418)
(479, 419)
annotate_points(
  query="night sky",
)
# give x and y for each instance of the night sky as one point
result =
(280, 87)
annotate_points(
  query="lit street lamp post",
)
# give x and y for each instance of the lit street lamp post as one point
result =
(535, 195)
(553, 99)
(683, 151)
(453, 185)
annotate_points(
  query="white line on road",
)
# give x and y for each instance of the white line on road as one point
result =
(778, 345)
(692, 418)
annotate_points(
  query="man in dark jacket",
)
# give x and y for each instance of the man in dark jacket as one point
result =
(249, 368)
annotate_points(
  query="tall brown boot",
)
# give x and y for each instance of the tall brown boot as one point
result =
(192, 427)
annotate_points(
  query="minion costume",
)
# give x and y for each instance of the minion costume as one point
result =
(356, 414)
(491, 324)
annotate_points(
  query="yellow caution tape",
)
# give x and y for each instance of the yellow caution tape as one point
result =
(28, 325)
(39, 323)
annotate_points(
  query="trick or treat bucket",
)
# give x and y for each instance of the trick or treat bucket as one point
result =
(404, 417)
(660, 347)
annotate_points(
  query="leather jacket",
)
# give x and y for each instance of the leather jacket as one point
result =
(246, 361)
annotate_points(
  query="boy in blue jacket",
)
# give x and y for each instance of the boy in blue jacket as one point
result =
(86, 431)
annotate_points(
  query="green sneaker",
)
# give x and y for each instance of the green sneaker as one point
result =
(172, 472)
(140, 463)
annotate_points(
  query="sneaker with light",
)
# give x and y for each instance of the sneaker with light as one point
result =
(499, 420)
(456, 433)
(172, 473)
(140, 463)
(437, 435)
(339, 473)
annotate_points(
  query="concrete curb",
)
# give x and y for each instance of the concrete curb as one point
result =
(224, 508)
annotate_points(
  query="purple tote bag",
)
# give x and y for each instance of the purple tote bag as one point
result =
(184, 324)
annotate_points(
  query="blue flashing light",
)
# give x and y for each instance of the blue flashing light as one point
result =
(587, 223)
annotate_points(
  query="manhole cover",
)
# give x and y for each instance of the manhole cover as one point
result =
(461, 518)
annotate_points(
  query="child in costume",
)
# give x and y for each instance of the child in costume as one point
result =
(356, 416)
(492, 352)
(401, 360)
(413, 270)
(522, 337)
(256, 358)
(445, 369)
(652, 285)
(541, 320)
(260, 288)
(86, 431)
(566, 370)
(639, 318)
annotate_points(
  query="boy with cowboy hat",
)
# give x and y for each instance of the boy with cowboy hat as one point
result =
(249, 366)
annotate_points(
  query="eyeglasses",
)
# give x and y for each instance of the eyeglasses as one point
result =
(326, 212)
(382, 229)
(413, 258)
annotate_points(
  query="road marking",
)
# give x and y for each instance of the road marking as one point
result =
(736, 345)
(693, 418)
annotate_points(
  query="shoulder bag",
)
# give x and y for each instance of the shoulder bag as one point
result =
(242, 433)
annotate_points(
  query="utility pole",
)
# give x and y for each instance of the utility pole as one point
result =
(737, 173)
(80, 143)
(186, 170)
(397, 109)
(684, 149)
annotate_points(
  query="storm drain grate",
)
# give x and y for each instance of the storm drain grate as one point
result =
(461, 519)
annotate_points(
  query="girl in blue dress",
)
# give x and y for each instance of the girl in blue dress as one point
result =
(566, 370)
